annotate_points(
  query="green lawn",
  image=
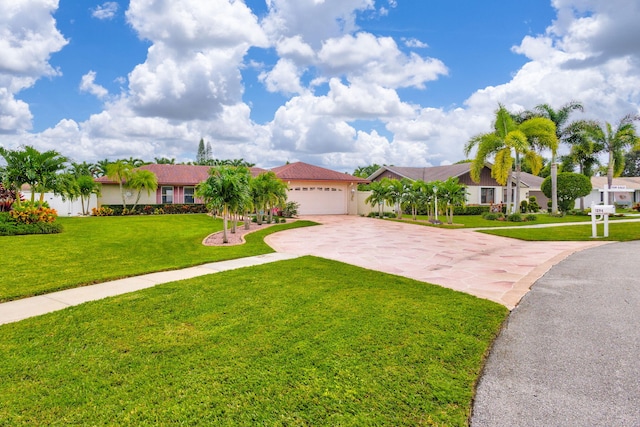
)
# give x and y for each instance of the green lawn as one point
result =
(620, 232)
(96, 249)
(300, 342)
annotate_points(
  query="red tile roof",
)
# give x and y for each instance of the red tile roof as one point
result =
(300, 171)
(179, 175)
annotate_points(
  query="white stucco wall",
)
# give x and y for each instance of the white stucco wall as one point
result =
(64, 208)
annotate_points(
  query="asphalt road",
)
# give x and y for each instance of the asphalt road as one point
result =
(569, 354)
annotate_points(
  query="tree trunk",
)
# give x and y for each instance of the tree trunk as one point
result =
(225, 239)
(82, 204)
(517, 201)
(554, 187)
(247, 222)
(508, 199)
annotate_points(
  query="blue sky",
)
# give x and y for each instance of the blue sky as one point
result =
(337, 83)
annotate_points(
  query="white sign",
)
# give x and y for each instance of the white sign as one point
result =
(603, 209)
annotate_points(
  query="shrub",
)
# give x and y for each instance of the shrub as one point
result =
(515, 217)
(178, 208)
(470, 210)
(531, 217)
(533, 204)
(493, 216)
(290, 209)
(10, 227)
(29, 213)
(524, 206)
(102, 211)
(571, 186)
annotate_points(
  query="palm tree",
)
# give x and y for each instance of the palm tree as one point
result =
(564, 131)
(45, 166)
(226, 188)
(164, 161)
(508, 144)
(268, 192)
(397, 193)
(415, 196)
(614, 142)
(141, 179)
(379, 194)
(100, 168)
(14, 174)
(120, 171)
(453, 194)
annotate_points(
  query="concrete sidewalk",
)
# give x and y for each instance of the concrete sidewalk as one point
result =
(14, 311)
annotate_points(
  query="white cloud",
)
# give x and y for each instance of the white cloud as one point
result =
(415, 43)
(87, 84)
(312, 20)
(377, 60)
(105, 11)
(283, 78)
(28, 37)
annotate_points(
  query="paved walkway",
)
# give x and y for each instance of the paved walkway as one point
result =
(569, 355)
(487, 266)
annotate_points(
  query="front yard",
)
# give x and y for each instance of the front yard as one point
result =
(97, 249)
(300, 342)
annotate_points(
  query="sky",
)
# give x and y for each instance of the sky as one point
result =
(335, 83)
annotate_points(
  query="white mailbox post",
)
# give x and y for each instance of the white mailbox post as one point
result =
(603, 211)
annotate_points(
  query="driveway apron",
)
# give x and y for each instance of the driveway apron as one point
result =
(486, 266)
(569, 354)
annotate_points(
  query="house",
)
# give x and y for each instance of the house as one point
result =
(319, 191)
(626, 191)
(176, 184)
(487, 191)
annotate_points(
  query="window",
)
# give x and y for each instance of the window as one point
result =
(167, 194)
(487, 195)
(188, 195)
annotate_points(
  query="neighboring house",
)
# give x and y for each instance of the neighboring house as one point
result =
(176, 184)
(626, 191)
(487, 191)
(320, 191)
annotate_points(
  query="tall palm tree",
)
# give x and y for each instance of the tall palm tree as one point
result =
(141, 179)
(614, 141)
(415, 197)
(563, 131)
(509, 144)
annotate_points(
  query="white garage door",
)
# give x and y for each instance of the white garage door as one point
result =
(315, 200)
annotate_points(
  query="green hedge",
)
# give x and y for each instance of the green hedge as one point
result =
(470, 210)
(8, 227)
(177, 208)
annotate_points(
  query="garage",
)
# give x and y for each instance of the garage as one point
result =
(318, 199)
(319, 191)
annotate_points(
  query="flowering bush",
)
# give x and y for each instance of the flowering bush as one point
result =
(28, 213)
(102, 211)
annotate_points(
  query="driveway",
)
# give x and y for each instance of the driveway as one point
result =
(491, 267)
